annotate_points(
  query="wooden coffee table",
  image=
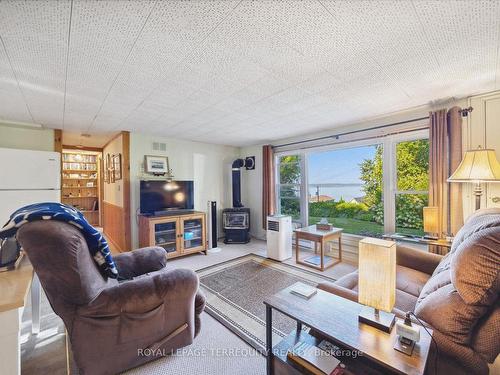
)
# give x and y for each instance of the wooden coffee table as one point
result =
(319, 237)
(336, 319)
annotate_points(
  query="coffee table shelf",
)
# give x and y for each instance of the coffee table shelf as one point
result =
(336, 319)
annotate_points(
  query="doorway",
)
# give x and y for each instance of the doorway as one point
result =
(81, 171)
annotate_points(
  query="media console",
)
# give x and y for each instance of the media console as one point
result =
(178, 233)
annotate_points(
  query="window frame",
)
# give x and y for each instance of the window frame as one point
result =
(388, 142)
(278, 184)
(390, 224)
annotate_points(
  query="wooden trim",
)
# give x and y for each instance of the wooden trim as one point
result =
(82, 148)
(58, 148)
(126, 188)
(115, 137)
(58, 140)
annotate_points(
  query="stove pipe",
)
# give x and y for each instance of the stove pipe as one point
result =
(237, 164)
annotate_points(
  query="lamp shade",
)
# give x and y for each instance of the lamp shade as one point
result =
(480, 165)
(377, 273)
(431, 220)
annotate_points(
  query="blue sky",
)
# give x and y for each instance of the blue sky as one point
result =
(339, 166)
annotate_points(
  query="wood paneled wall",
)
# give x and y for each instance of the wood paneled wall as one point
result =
(116, 219)
(114, 225)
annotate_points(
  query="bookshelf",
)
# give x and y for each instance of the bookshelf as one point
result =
(80, 182)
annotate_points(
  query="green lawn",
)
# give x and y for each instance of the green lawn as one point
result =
(361, 227)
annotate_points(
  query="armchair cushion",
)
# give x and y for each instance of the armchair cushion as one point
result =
(141, 261)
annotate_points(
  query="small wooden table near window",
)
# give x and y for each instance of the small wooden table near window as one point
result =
(318, 237)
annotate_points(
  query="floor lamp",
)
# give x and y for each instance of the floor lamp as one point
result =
(477, 166)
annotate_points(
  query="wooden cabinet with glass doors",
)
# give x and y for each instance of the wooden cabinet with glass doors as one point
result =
(178, 234)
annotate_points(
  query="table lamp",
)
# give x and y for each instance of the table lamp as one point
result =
(377, 282)
(477, 166)
(431, 222)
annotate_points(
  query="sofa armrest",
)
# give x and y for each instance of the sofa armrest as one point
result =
(419, 260)
(138, 262)
(339, 291)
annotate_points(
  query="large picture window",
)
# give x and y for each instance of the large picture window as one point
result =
(346, 187)
(368, 188)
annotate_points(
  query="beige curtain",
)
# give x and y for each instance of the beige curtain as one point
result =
(456, 215)
(268, 184)
(445, 154)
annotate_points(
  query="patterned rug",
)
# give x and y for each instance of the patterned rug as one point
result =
(236, 290)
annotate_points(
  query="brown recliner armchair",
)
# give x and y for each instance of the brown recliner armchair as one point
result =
(456, 295)
(113, 326)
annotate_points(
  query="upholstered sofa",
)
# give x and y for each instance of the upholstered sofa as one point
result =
(113, 326)
(456, 295)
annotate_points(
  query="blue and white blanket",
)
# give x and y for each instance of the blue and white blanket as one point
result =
(57, 211)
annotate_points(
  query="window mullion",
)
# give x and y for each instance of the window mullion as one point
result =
(304, 191)
(389, 185)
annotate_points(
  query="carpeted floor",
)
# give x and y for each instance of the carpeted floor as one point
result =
(45, 352)
(236, 291)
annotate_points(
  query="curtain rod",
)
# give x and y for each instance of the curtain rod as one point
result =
(336, 136)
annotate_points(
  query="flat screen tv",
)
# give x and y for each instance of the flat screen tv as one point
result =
(159, 196)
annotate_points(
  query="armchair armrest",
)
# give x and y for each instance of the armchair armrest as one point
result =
(144, 293)
(138, 262)
(417, 259)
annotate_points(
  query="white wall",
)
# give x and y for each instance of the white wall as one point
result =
(208, 165)
(26, 138)
(251, 190)
(113, 193)
(483, 129)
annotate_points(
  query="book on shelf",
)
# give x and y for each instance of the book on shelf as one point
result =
(315, 360)
(303, 290)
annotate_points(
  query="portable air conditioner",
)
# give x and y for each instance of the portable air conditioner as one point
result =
(279, 237)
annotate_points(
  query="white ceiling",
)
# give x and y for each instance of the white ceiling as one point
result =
(238, 72)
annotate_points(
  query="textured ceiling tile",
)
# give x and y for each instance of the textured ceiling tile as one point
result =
(212, 70)
(13, 106)
(35, 35)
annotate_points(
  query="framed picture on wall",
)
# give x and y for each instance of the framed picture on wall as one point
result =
(156, 164)
(107, 169)
(117, 167)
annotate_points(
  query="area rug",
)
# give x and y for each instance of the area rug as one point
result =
(236, 289)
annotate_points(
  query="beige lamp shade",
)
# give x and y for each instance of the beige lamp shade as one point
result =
(377, 273)
(431, 220)
(480, 165)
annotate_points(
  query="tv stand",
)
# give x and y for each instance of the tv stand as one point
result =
(178, 232)
(172, 213)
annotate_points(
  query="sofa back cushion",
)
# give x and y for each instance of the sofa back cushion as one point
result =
(475, 264)
(465, 284)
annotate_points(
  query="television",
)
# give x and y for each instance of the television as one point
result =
(161, 196)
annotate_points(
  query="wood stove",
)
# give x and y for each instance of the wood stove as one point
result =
(236, 220)
(236, 225)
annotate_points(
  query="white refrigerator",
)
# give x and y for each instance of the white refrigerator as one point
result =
(28, 177)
